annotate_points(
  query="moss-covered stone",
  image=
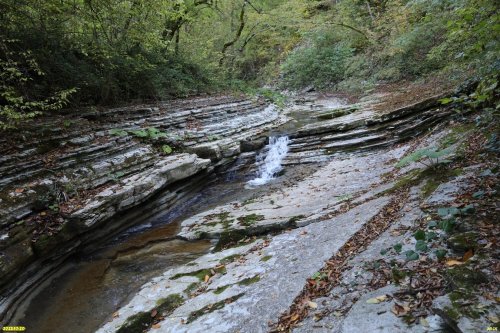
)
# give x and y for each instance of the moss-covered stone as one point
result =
(249, 281)
(464, 241)
(266, 258)
(465, 277)
(220, 290)
(463, 303)
(230, 259)
(229, 238)
(192, 288)
(136, 323)
(169, 303)
(220, 218)
(211, 308)
(249, 220)
(143, 320)
(429, 187)
(294, 219)
(433, 177)
(200, 274)
(336, 113)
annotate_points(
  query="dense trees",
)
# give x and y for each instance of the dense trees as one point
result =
(55, 52)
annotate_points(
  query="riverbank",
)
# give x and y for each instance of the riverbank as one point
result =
(339, 167)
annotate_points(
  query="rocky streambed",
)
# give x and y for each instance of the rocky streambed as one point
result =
(99, 216)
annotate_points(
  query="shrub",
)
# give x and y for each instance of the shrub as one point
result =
(322, 64)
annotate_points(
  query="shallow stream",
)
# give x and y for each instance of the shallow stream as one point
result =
(84, 293)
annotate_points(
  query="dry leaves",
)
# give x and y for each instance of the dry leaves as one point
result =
(312, 305)
(400, 310)
(378, 299)
(467, 255)
(337, 264)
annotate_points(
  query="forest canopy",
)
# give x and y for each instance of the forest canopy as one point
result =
(57, 53)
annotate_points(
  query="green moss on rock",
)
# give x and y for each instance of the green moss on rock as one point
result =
(143, 320)
(294, 219)
(249, 281)
(220, 290)
(136, 323)
(249, 220)
(211, 308)
(465, 277)
(229, 238)
(200, 274)
(169, 303)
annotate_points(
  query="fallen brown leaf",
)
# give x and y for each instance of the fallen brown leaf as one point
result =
(467, 255)
(453, 262)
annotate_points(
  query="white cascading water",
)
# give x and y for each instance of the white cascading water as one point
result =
(269, 161)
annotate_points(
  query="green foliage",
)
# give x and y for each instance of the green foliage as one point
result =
(429, 154)
(150, 133)
(166, 149)
(411, 255)
(485, 97)
(419, 235)
(319, 276)
(18, 100)
(421, 246)
(398, 40)
(118, 132)
(322, 64)
(272, 96)
(103, 52)
(440, 253)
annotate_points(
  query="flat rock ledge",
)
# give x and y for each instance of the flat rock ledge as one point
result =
(255, 276)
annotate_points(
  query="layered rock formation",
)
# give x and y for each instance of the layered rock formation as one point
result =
(73, 179)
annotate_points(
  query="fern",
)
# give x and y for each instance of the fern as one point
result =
(421, 154)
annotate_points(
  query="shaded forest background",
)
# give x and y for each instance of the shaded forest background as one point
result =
(65, 53)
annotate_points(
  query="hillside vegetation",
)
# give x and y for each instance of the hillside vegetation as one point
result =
(60, 53)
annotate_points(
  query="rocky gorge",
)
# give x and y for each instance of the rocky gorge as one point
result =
(341, 234)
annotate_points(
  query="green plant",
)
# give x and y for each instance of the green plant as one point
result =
(18, 70)
(322, 64)
(166, 149)
(54, 207)
(118, 132)
(319, 276)
(428, 157)
(411, 255)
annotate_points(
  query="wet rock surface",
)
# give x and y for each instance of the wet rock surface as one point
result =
(66, 183)
(266, 248)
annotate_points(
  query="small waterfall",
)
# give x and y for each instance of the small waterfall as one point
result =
(269, 161)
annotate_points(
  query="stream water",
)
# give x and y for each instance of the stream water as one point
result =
(269, 160)
(88, 289)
